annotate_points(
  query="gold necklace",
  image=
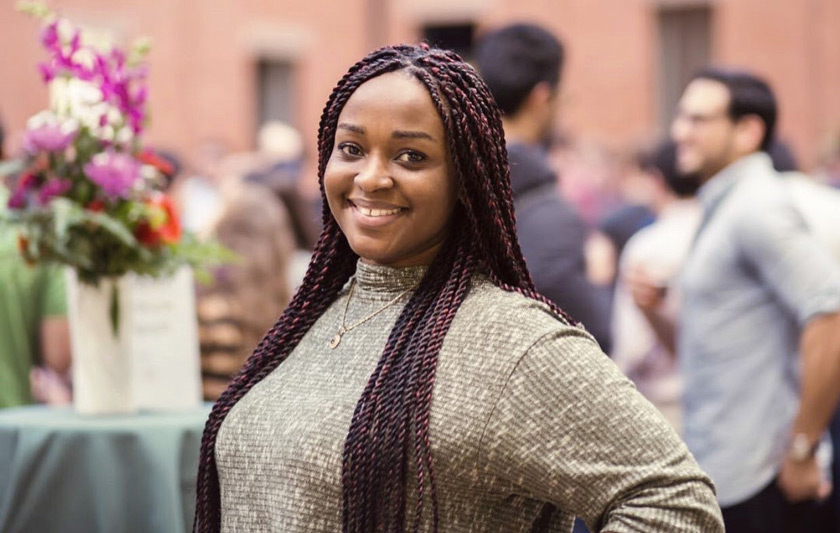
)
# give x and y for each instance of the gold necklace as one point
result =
(344, 328)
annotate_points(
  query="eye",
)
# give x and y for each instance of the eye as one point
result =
(350, 149)
(411, 156)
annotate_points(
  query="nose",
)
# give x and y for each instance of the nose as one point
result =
(374, 175)
(679, 128)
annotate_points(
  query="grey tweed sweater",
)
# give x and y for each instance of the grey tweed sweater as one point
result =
(525, 410)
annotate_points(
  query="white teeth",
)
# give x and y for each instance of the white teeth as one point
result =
(377, 212)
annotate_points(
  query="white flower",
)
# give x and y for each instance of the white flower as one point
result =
(124, 135)
(44, 118)
(81, 100)
(149, 173)
(65, 30)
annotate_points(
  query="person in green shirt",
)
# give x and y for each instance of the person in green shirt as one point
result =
(33, 323)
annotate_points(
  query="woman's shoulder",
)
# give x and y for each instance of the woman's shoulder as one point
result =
(490, 311)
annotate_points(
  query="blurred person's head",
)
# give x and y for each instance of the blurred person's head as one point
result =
(663, 161)
(652, 179)
(722, 116)
(522, 66)
(208, 155)
(278, 167)
(279, 142)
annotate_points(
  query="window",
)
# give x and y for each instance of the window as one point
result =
(684, 48)
(275, 92)
(455, 37)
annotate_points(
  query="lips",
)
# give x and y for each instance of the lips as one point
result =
(374, 213)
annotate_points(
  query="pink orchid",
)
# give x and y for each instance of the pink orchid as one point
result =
(49, 36)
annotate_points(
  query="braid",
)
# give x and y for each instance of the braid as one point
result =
(389, 430)
(326, 275)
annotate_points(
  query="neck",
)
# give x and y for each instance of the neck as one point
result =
(734, 158)
(662, 201)
(520, 129)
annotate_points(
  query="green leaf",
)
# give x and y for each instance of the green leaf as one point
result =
(115, 309)
(65, 214)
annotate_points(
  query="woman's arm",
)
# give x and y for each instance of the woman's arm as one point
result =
(571, 430)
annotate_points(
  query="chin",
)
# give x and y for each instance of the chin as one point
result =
(688, 166)
(371, 252)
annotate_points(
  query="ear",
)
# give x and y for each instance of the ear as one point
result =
(540, 96)
(749, 132)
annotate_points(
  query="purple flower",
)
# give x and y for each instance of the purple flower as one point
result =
(52, 188)
(49, 137)
(115, 172)
(47, 72)
(75, 42)
(120, 82)
(49, 37)
(17, 200)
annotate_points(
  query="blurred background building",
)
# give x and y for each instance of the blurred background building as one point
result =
(222, 68)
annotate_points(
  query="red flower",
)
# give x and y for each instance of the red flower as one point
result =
(146, 235)
(162, 225)
(171, 230)
(96, 205)
(28, 181)
(148, 157)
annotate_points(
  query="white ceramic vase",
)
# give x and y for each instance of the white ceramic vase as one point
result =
(101, 356)
(150, 360)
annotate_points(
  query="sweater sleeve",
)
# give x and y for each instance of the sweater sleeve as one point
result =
(569, 429)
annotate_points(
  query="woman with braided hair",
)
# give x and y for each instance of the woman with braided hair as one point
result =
(417, 381)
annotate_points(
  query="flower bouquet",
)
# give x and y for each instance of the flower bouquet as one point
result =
(88, 195)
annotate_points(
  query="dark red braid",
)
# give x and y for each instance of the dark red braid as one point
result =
(389, 433)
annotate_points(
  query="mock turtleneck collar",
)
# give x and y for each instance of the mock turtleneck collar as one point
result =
(384, 280)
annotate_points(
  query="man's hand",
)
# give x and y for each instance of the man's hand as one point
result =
(802, 480)
(649, 297)
(647, 294)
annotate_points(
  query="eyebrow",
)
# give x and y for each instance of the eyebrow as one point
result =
(351, 127)
(398, 134)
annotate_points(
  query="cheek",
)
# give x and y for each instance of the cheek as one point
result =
(332, 187)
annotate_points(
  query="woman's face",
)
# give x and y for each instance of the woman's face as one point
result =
(388, 180)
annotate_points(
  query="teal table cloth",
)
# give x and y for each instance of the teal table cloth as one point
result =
(65, 472)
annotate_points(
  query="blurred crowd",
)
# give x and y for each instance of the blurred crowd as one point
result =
(623, 239)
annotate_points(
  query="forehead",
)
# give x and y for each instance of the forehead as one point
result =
(396, 99)
(703, 95)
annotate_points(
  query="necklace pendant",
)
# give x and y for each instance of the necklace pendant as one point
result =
(335, 341)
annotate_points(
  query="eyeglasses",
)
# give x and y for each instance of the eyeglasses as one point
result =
(699, 119)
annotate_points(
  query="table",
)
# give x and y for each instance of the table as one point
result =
(60, 471)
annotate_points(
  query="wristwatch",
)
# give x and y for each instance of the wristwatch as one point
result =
(801, 449)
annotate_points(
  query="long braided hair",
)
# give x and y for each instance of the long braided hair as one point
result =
(389, 433)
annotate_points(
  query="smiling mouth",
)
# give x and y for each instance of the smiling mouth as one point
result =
(376, 212)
